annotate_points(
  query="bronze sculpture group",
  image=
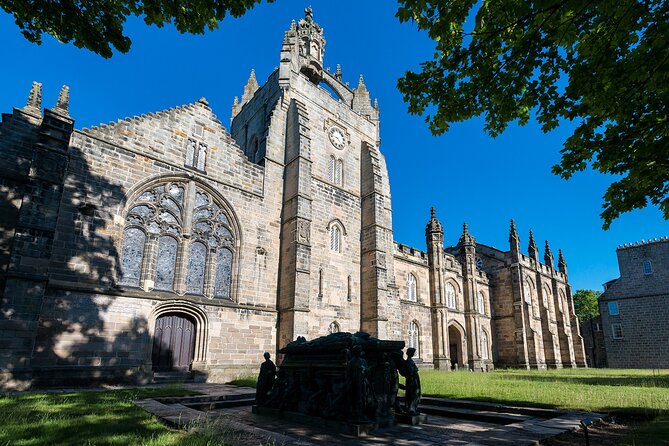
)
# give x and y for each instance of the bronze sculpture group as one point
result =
(348, 377)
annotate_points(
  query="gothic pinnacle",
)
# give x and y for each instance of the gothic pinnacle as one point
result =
(548, 255)
(532, 247)
(338, 73)
(562, 265)
(34, 103)
(513, 233)
(433, 225)
(466, 238)
(63, 102)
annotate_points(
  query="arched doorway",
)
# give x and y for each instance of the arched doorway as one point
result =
(455, 347)
(173, 342)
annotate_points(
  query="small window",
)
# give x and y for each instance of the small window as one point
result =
(414, 338)
(411, 287)
(339, 173)
(598, 327)
(613, 309)
(484, 345)
(335, 238)
(617, 331)
(196, 154)
(647, 268)
(334, 328)
(481, 302)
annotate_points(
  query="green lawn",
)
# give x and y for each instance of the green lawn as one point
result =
(92, 418)
(627, 392)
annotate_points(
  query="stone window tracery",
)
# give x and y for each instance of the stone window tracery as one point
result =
(411, 287)
(157, 218)
(414, 337)
(450, 296)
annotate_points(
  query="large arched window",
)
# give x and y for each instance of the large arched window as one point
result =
(528, 291)
(411, 287)
(414, 337)
(481, 302)
(157, 218)
(334, 328)
(450, 296)
(485, 354)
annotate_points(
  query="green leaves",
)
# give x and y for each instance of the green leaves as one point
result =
(585, 304)
(603, 64)
(97, 25)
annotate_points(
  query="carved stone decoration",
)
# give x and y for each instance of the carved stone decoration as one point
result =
(303, 230)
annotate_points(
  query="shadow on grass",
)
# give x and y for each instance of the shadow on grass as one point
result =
(81, 418)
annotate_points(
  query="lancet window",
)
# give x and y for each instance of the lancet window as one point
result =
(411, 287)
(450, 296)
(414, 337)
(198, 263)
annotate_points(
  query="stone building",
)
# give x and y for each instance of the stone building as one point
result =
(635, 307)
(166, 242)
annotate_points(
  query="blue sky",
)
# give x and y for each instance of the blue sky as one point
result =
(465, 174)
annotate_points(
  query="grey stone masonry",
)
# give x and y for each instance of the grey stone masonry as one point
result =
(635, 307)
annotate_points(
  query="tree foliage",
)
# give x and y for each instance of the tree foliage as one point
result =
(585, 304)
(603, 64)
(97, 25)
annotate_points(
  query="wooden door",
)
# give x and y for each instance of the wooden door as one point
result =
(173, 342)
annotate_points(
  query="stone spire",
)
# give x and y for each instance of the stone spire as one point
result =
(466, 238)
(562, 265)
(513, 234)
(433, 225)
(34, 104)
(532, 248)
(250, 88)
(63, 103)
(548, 256)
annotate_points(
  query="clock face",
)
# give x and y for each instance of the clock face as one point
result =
(337, 137)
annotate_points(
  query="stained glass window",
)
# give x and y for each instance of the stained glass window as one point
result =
(197, 258)
(133, 253)
(166, 262)
(223, 273)
(159, 211)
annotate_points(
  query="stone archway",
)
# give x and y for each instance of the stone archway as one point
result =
(456, 347)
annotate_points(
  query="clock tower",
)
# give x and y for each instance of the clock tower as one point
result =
(319, 138)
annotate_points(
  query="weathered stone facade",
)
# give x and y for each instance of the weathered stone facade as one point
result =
(634, 308)
(163, 241)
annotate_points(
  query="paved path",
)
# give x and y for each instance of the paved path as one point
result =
(438, 430)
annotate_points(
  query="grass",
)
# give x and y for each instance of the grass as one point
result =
(625, 393)
(622, 392)
(93, 418)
